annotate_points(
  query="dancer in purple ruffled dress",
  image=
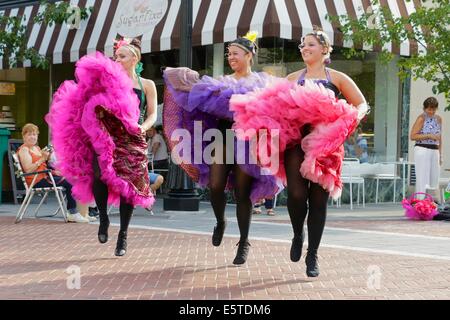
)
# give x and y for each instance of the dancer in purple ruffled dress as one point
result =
(189, 99)
(98, 126)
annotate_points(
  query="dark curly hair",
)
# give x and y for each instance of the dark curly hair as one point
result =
(245, 44)
(430, 102)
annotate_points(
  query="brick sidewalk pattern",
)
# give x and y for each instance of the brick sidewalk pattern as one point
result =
(36, 255)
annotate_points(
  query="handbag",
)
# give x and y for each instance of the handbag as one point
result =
(420, 209)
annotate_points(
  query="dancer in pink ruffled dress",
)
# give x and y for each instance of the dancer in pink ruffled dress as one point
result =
(304, 196)
(98, 126)
(313, 125)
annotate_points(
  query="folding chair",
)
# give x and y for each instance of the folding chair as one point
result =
(158, 171)
(19, 190)
(31, 190)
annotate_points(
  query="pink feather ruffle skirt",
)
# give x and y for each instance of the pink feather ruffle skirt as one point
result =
(98, 115)
(288, 107)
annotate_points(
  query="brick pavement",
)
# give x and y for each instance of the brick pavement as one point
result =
(36, 254)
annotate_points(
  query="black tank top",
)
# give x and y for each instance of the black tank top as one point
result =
(143, 103)
(325, 82)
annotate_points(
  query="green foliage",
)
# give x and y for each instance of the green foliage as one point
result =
(59, 13)
(13, 39)
(428, 27)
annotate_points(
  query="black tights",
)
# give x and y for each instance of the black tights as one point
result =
(218, 179)
(302, 194)
(100, 191)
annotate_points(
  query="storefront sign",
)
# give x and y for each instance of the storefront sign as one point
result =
(7, 89)
(136, 17)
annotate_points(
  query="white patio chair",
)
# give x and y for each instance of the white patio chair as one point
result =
(31, 190)
(386, 172)
(351, 175)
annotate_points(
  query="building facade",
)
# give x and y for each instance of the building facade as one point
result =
(280, 25)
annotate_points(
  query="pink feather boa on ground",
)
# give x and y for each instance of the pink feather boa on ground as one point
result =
(77, 132)
(288, 107)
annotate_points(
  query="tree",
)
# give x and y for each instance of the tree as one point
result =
(428, 27)
(13, 39)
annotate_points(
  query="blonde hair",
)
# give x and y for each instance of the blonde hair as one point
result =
(132, 44)
(29, 127)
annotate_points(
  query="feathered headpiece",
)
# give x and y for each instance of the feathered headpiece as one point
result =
(247, 42)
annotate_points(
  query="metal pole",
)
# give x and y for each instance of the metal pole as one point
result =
(186, 34)
(50, 94)
(182, 195)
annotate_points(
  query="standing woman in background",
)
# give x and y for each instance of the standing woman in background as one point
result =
(427, 132)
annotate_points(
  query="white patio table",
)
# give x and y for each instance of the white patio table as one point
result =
(404, 164)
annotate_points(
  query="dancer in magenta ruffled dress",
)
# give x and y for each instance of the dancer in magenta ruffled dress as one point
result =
(189, 99)
(98, 131)
(313, 125)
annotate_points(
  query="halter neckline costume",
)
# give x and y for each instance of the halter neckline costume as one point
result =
(327, 83)
(306, 112)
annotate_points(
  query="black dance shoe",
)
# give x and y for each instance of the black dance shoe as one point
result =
(312, 264)
(242, 252)
(218, 232)
(103, 229)
(121, 247)
(296, 247)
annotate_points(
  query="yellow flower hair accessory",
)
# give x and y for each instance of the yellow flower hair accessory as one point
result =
(247, 42)
(252, 36)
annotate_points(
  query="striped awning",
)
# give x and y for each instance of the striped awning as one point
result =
(223, 21)
(157, 22)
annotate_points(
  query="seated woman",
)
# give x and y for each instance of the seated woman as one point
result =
(156, 181)
(33, 159)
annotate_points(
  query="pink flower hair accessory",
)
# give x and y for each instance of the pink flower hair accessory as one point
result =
(119, 43)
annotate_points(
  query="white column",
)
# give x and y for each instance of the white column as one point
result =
(219, 52)
(387, 104)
